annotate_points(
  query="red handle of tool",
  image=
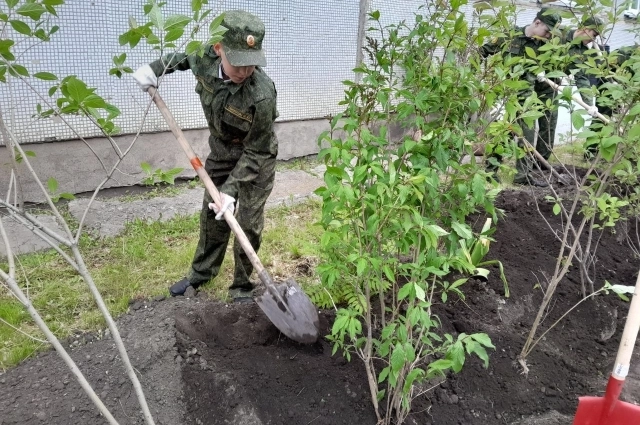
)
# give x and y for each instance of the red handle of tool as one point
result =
(623, 359)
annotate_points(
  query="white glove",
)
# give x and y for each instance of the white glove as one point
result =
(228, 203)
(593, 111)
(541, 77)
(145, 77)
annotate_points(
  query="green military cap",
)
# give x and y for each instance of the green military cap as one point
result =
(242, 42)
(548, 17)
(595, 23)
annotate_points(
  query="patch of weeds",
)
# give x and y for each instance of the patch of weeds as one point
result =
(164, 191)
(569, 154)
(306, 163)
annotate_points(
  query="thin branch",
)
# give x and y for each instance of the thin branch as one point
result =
(27, 219)
(7, 245)
(115, 333)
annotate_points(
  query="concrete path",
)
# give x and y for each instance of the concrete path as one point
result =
(109, 216)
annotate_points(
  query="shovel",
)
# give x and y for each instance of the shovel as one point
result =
(610, 410)
(286, 305)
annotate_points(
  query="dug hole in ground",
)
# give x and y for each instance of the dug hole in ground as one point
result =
(205, 362)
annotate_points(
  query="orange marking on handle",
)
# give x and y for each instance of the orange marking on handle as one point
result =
(195, 163)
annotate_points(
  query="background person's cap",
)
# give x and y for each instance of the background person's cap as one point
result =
(595, 23)
(548, 17)
(242, 42)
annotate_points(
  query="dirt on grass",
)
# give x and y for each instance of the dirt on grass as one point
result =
(206, 362)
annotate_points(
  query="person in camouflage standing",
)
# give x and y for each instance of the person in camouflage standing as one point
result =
(239, 104)
(616, 60)
(578, 41)
(532, 36)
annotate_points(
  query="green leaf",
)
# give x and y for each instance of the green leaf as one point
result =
(155, 16)
(415, 374)
(483, 339)
(192, 47)
(20, 27)
(68, 196)
(52, 90)
(173, 35)
(556, 209)
(577, 120)
(530, 52)
(94, 101)
(634, 131)
(397, 358)
(53, 2)
(420, 293)
(52, 184)
(5, 45)
(405, 291)
(112, 110)
(196, 5)
(31, 10)
(77, 89)
(12, 3)
(383, 375)
(119, 60)
(176, 22)
(21, 70)
(635, 110)
(46, 76)
(146, 167)
(216, 23)
(461, 230)
(456, 355)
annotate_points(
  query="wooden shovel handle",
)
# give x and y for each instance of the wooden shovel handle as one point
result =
(629, 335)
(577, 100)
(211, 188)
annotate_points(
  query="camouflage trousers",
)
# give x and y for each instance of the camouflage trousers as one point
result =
(543, 143)
(215, 234)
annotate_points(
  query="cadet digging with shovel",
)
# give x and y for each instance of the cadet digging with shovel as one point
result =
(239, 103)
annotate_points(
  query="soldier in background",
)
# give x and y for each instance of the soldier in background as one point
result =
(533, 36)
(617, 59)
(578, 41)
(239, 104)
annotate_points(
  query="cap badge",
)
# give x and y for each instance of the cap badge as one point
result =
(251, 41)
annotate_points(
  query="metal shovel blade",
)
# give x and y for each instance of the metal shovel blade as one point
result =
(298, 318)
(590, 410)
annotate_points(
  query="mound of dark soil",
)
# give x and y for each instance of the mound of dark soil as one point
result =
(203, 362)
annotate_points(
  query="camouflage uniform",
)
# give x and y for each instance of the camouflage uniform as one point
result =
(516, 46)
(576, 55)
(617, 58)
(243, 148)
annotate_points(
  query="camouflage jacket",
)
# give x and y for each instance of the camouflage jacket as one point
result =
(516, 46)
(622, 55)
(240, 116)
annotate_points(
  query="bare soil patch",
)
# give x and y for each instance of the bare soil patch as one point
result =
(204, 362)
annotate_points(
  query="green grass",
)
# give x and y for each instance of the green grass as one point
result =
(307, 163)
(142, 263)
(570, 154)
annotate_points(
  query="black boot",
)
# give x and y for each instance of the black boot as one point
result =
(180, 287)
